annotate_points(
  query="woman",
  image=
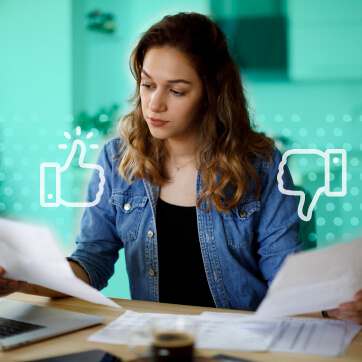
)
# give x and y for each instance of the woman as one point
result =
(191, 191)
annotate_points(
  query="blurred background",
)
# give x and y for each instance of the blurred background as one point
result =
(64, 63)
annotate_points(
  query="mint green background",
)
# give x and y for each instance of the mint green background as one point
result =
(52, 68)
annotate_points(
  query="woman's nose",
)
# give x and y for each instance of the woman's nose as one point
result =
(157, 102)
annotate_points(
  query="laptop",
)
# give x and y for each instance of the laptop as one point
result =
(23, 323)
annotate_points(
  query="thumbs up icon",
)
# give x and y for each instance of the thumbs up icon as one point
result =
(51, 200)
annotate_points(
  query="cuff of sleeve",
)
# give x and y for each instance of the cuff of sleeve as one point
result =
(80, 263)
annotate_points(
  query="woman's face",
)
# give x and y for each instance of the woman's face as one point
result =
(171, 93)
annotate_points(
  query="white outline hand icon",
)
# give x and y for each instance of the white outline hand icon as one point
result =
(58, 169)
(326, 188)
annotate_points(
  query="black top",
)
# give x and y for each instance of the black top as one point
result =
(182, 278)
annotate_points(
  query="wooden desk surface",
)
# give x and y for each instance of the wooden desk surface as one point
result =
(77, 341)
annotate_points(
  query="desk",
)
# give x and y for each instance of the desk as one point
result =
(77, 341)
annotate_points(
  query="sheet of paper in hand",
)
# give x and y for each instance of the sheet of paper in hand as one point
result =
(314, 280)
(30, 253)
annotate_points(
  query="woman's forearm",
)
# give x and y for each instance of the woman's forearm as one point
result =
(45, 292)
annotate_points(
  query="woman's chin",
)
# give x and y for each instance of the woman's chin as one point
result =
(161, 135)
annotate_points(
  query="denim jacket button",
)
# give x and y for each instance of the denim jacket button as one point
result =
(150, 234)
(127, 207)
(242, 213)
(151, 272)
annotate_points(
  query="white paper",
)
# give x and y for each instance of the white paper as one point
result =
(212, 333)
(326, 337)
(30, 253)
(118, 332)
(310, 338)
(235, 334)
(313, 281)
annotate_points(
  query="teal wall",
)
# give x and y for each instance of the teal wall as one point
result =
(52, 68)
(35, 105)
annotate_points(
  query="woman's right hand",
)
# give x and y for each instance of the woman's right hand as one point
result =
(8, 286)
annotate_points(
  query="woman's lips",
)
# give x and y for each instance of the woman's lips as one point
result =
(157, 122)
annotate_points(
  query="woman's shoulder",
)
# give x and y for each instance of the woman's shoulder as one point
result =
(267, 165)
(114, 149)
(271, 157)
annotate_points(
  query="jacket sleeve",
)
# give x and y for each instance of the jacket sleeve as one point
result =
(278, 222)
(98, 243)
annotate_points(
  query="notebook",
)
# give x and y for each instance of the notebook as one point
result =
(23, 323)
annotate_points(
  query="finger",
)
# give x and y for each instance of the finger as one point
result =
(351, 306)
(10, 283)
(6, 291)
(22, 284)
(11, 286)
(333, 312)
(358, 295)
(72, 153)
(2, 271)
(355, 317)
(348, 313)
(350, 317)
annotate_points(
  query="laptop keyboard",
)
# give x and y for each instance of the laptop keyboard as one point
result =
(10, 327)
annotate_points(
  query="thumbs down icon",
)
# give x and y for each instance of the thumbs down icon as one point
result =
(46, 168)
(332, 156)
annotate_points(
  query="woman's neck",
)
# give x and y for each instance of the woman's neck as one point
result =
(180, 151)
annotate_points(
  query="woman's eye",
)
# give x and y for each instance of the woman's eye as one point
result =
(148, 86)
(176, 93)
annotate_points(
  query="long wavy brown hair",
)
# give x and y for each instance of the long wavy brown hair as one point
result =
(226, 141)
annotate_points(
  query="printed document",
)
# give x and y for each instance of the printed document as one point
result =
(30, 253)
(326, 337)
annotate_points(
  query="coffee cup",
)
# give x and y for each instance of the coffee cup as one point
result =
(170, 339)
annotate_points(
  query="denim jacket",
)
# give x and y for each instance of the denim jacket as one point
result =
(241, 251)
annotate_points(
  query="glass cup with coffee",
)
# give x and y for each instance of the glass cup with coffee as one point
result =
(170, 339)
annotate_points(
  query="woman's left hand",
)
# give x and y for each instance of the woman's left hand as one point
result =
(351, 311)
